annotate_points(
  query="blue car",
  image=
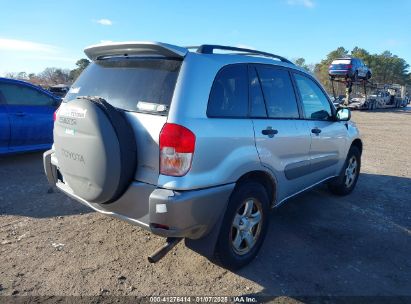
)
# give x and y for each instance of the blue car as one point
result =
(26, 117)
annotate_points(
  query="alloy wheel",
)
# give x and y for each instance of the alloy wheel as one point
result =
(246, 226)
(351, 171)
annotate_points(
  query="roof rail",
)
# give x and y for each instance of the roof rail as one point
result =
(209, 49)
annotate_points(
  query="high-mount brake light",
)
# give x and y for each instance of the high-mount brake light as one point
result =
(177, 144)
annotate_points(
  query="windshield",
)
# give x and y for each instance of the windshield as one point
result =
(132, 84)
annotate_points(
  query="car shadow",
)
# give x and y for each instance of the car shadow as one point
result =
(323, 245)
(24, 189)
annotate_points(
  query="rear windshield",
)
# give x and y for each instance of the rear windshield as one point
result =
(134, 84)
(341, 61)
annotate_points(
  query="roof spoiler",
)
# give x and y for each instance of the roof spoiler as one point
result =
(145, 48)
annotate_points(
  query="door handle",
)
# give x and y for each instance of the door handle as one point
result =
(269, 131)
(316, 131)
(20, 114)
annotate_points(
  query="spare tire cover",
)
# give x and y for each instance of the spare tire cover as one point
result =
(95, 148)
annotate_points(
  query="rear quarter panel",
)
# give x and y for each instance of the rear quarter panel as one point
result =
(225, 150)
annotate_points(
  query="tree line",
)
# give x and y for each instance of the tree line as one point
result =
(386, 67)
(52, 76)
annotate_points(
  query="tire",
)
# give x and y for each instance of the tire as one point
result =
(99, 162)
(355, 77)
(368, 76)
(232, 250)
(345, 183)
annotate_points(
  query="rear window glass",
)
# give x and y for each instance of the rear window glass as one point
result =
(342, 61)
(135, 84)
(21, 95)
(278, 93)
(229, 94)
(258, 108)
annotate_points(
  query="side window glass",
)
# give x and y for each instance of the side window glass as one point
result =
(22, 95)
(256, 96)
(229, 94)
(315, 103)
(2, 98)
(278, 92)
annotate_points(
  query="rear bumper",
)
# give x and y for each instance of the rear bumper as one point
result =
(190, 214)
(340, 73)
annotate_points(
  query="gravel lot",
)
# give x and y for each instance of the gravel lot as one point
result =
(318, 244)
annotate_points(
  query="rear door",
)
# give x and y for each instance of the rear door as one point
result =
(282, 138)
(328, 136)
(30, 114)
(4, 126)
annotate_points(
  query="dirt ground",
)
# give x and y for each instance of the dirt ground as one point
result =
(317, 245)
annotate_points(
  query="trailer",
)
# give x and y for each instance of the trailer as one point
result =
(382, 95)
(389, 96)
(353, 98)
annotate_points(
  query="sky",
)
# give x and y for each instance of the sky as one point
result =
(44, 33)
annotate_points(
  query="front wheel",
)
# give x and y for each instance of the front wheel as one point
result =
(345, 183)
(355, 77)
(368, 76)
(244, 227)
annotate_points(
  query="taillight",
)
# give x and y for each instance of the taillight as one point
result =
(177, 145)
(348, 66)
(55, 115)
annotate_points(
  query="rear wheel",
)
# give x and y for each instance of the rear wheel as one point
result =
(345, 183)
(244, 227)
(355, 77)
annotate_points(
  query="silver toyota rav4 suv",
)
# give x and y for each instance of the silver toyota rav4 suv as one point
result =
(198, 145)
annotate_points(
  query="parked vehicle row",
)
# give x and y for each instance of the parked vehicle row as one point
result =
(381, 97)
(59, 90)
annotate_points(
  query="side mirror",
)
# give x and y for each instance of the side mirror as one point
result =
(343, 114)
